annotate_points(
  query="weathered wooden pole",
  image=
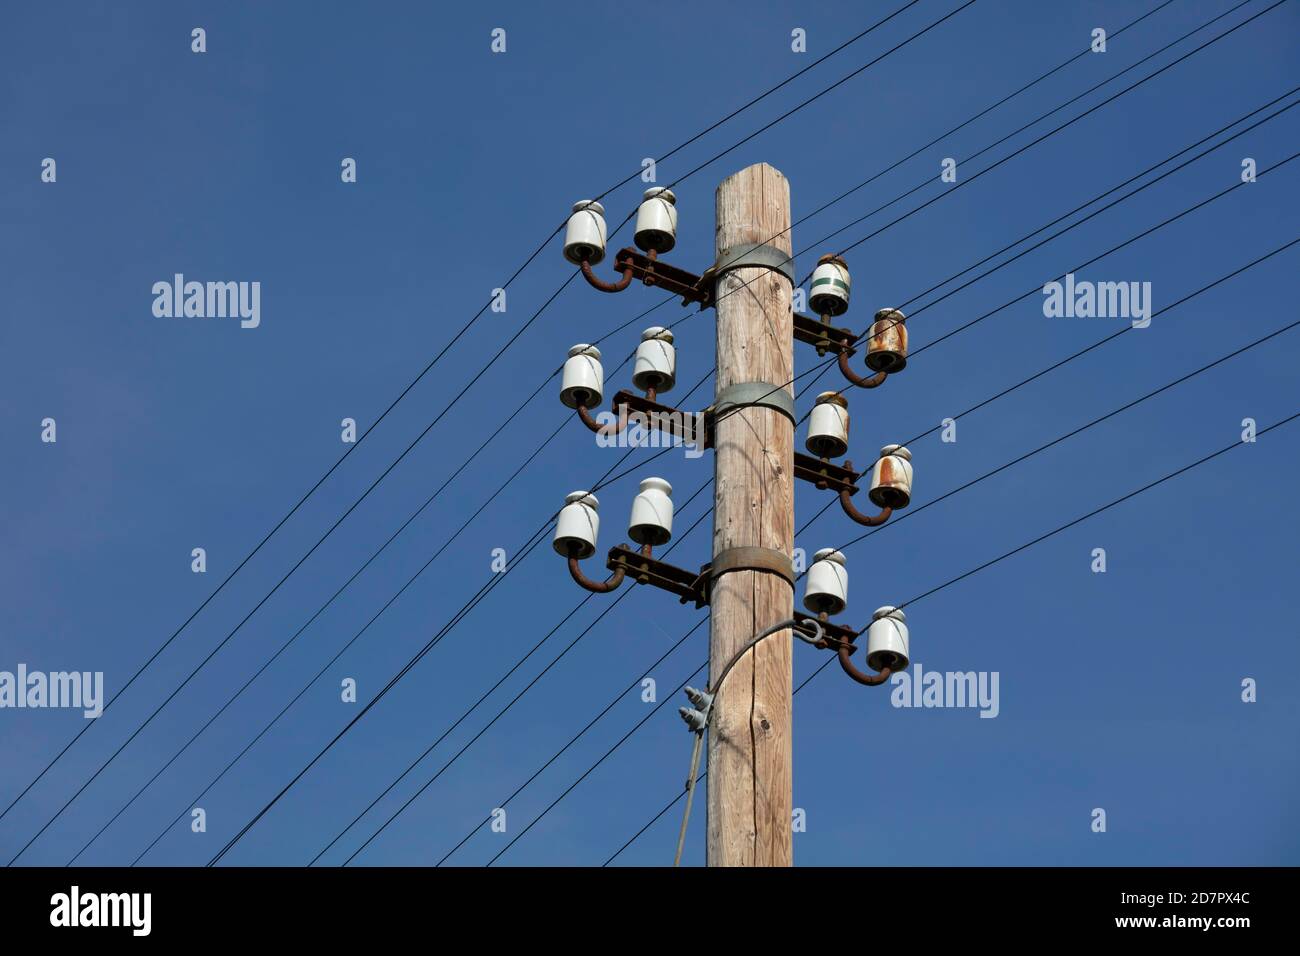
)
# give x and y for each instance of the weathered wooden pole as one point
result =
(749, 781)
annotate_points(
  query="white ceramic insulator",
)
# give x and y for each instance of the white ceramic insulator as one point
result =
(656, 220)
(584, 236)
(887, 640)
(652, 513)
(827, 584)
(828, 426)
(829, 292)
(656, 361)
(578, 525)
(584, 378)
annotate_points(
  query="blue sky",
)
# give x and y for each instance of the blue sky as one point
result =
(1119, 690)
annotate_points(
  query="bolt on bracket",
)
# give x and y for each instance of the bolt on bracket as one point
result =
(834, 636)
(644, 569)
(823, 336)
(826, 474)
(654, 272)
(633, 408)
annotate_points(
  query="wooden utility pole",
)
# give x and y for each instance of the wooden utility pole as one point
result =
(750, 776)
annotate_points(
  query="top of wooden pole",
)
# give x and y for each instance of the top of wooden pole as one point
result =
(753, 205)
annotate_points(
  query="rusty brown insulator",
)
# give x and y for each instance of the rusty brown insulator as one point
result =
(887, 342)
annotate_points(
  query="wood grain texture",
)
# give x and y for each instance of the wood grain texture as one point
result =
(750, 775)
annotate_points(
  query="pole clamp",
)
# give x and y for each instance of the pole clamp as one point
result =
(755, 394)
(753, 254)
(752, 559)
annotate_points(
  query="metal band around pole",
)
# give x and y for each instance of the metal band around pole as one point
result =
(759, 255)
(755, 395)
(751, 559)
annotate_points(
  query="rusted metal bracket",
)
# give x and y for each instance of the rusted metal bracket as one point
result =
(826, 474)
(647, 570)
(630, 408)
(822, 335)
(835, 635)
(692, 587)
(842, 480)
(664, 418)
(825, 337)
(654, 272)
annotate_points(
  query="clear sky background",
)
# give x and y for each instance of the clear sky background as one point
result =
(1119, 691)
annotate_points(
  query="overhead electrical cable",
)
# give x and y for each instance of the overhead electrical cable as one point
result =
(1068, 435)
(1043, 537)
(430, 365)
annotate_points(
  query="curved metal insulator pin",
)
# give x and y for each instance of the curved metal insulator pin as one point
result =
(608, 430)
(871, 521)
(871, 680)
(603, 286)
(871, 381)
(596, 587)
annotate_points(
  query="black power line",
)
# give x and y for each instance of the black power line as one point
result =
(333, 597)
(451, 623)
(1090, 110)
(1113, 249)
(976, 570)
(823, 367)
(1076, 431)
(501, 713)
(434, 361)
(1043, 448)
(841, 81)
(622, 740)
(955, 129)
(1066, 361)
(331, 662)
(701, 167)
(832, 501)
(828, 363)
(762, 96)
(225, 640)
(267, 537)
(1040, 139)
